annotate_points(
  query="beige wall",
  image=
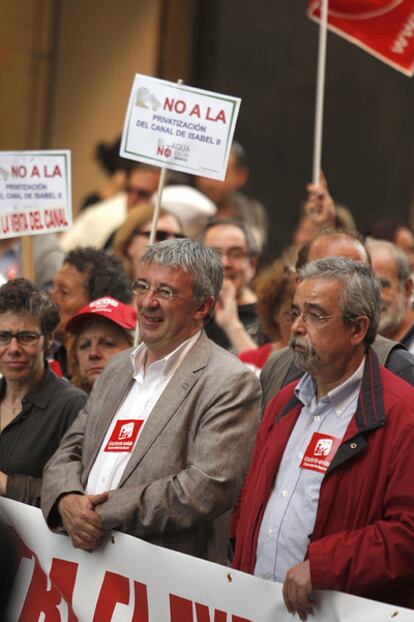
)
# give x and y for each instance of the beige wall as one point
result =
(102, 44)
(25, 61)
(66, 70)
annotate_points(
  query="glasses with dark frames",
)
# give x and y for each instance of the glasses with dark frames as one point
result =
(24, 337)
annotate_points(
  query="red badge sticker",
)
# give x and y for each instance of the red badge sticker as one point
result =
(124, 435)
(320, 452)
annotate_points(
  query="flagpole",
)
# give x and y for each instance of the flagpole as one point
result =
(320, 92)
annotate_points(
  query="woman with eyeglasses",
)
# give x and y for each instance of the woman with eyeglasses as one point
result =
(36, 407)
(132, 237)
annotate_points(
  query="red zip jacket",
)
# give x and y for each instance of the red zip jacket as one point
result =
(363, 538)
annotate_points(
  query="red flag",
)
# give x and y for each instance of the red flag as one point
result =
(384, 28)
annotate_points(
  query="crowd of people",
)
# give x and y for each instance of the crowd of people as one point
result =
(183, 393)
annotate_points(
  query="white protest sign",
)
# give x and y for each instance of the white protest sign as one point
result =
(179, 127)
(129, 580)
(35, 192)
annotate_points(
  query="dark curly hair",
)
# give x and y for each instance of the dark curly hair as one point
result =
(21, 296)
(275, 285)
(106, 275)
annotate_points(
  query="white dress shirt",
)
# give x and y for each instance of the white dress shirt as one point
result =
(107, 470)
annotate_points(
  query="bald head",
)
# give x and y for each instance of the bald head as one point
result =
(331, 243)
(337, 245)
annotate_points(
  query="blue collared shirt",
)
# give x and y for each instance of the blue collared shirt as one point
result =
(290, 513)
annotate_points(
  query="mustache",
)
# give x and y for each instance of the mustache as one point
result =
(295, 340)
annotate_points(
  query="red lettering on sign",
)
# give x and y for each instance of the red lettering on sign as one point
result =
(35, 221)
(195, 111)
(203, 614)
(55, 218)
(115, 589)
(19, 222)
(35, 172)
(219, 117)
(55, 173)
(18, 171)
(168, 104)
(181, 610)
(38, 598)
(178, 106)
(4, 221)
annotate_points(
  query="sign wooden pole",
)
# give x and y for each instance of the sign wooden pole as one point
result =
(27, 258)
(320, 93)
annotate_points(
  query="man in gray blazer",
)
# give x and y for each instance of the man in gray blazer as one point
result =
(163, 445)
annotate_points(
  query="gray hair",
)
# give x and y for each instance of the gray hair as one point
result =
(360, 289)
(403, 269)
(191, 257)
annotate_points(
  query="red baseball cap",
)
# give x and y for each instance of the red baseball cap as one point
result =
(121, 314)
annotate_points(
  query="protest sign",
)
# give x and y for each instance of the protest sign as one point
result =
(384, 28)
(35, 192)
(179, 127)
(129, 580)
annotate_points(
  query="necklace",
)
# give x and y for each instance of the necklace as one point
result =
(13, 409)
(7, 417)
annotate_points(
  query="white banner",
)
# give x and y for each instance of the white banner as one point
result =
(179, 127)
(129, 580)
(35, 192)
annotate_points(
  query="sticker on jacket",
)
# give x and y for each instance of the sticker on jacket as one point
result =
(124, 435)
(320, 452)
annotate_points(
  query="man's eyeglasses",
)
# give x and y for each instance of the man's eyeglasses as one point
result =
(24, 337)
(163, 292)
(160, 235)
(234, 253)
(312, 318)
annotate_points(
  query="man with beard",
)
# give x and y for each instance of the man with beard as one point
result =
(390, 265)
(280, 368)
(329, 499)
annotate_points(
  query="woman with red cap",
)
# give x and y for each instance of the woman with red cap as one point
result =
(99, 330)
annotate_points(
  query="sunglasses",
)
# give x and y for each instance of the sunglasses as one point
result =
(160, 235)
(140, 193)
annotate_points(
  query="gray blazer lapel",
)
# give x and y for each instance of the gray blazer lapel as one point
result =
(170, 400)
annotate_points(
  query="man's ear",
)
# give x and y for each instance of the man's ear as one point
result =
(408, 288)
(204, 308)
(359, 329)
